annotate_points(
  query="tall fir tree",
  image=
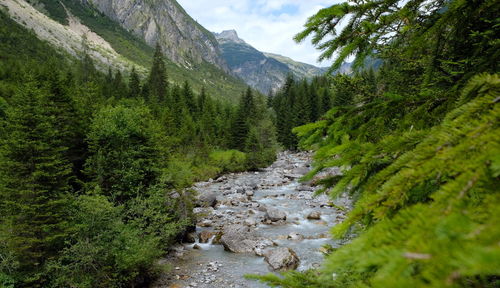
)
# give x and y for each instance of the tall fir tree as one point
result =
(134, 84)
(158, 82)
(35, 178)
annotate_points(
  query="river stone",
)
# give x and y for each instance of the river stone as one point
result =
(305, 188)
(282, 258)
(249, 193)
(295, 236)
(207, 199)
(314, 215)
(238, 239)
(190, 237)
(250, 222)
(205, 223)
(196, 247)
(275, 215)
(205, 236)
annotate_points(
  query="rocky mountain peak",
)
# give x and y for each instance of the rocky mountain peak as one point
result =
(229, 36)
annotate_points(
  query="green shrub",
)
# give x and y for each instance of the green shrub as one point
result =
(228, 160)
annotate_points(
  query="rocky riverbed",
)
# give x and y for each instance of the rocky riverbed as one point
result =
(255, 222)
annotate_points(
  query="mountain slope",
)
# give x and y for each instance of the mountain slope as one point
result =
(264, 71)
(117, 47)
(183, 40)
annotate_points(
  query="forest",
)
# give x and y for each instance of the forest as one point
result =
(96, 166)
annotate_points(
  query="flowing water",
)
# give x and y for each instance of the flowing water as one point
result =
(210, 265)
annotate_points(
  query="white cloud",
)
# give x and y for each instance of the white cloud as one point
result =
(268, 25)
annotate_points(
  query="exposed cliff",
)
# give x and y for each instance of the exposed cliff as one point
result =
(183, 40)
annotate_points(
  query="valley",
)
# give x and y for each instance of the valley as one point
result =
(140, 149)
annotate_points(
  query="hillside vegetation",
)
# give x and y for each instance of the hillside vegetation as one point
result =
(139, 53)
(95, 168)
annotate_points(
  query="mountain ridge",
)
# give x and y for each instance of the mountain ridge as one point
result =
(263, 71)
(118, 49)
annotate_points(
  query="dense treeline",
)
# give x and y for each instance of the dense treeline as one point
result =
(417, 142)
(301, 102)
(94, 167)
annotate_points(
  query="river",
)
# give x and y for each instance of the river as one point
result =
(247, 201)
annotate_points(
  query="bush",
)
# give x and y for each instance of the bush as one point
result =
(229, 160)
(104, 251)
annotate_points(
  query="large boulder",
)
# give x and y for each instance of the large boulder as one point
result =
(274, 214)
(207, 199)
(282, 258)
(238, 239)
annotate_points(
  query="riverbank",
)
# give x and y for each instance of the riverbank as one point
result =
(255, 222)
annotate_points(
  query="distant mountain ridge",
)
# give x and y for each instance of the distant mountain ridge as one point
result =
(265, 72)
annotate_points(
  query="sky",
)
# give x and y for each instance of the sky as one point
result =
(267, 25)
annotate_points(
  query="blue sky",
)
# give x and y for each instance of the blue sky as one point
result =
(268, 25)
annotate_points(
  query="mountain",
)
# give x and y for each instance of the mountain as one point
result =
(183, 40)
(263, 71)
(121, 34)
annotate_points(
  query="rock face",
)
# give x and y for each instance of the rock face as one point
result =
(275, 215)
(183, 40)
(282, 259)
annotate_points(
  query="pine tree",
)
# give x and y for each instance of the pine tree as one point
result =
(120, 89)
(158, 82)
(314, 101)
(35, 180)
(188, 95)
(326, 102)
(134, 84)
(202, 99)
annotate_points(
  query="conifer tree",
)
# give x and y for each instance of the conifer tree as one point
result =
(158, 82)
(134, 84)
(119, 87)
(188, 95)
(35, 183)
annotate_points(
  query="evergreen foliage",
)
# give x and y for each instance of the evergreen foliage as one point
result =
(417, 142)
(35, 176)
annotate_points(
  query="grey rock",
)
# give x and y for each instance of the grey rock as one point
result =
(282, 258)
(207, 199)
(295, 236)
(250, 222)
(249, 193)
(238, 239)
(275, 215)
(314, 215)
